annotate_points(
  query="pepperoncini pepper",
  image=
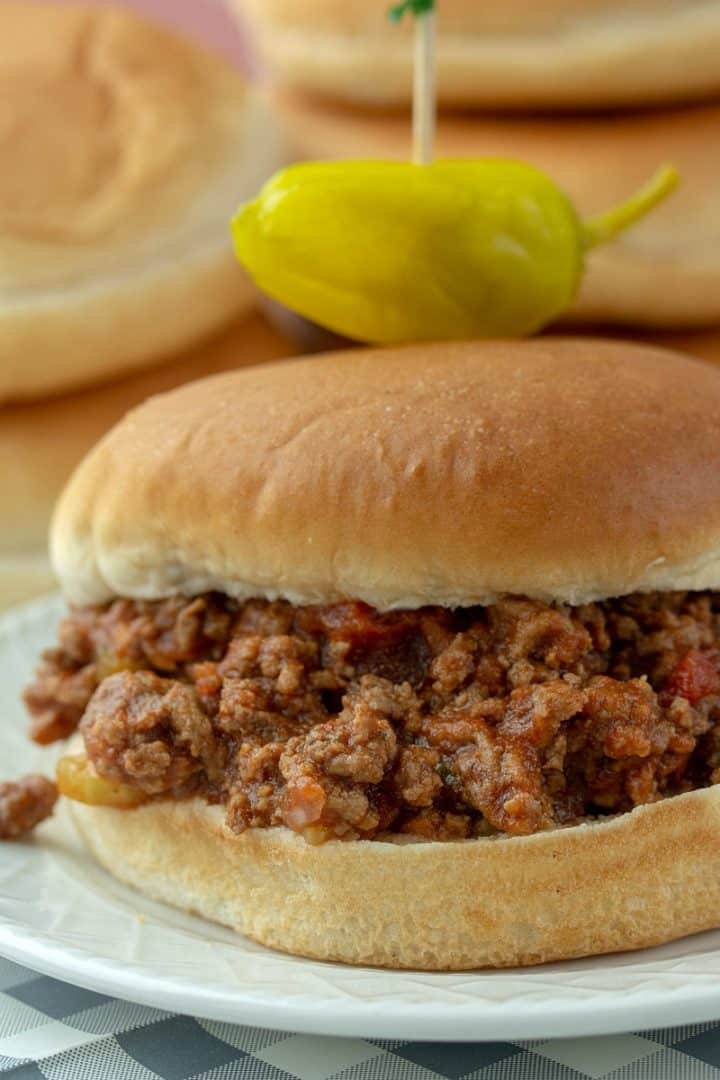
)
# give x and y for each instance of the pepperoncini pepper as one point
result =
(388, 252)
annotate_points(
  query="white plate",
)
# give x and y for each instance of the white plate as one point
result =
(62, 915)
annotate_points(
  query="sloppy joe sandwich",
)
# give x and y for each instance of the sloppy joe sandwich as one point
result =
(404, 657)
(526, 54)
(663, 273)
(123, 150)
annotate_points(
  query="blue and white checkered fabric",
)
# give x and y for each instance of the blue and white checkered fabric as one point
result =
(50, 1030)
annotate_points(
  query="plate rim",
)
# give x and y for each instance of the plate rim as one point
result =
(430, 1021)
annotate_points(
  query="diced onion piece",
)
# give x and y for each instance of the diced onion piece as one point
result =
(77, 780)
(109, 663)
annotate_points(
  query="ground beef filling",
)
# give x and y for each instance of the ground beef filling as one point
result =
(24, 804)
(343, 722)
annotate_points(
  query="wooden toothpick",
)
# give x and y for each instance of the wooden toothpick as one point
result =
(424, 105)
(424, 91)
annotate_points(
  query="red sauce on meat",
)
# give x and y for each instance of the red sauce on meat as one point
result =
(344, 722)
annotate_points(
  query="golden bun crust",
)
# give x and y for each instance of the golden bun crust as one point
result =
(124, 149)
(636, 880)
(565, 469)
(42, 442)
(528, 53)
(663, 273)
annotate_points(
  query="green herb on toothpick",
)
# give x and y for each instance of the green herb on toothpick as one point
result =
(410, 7)
(424, 97)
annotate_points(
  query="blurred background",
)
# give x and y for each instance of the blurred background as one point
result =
(130, 131)
(209, 22)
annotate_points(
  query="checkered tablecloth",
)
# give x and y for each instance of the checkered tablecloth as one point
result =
(51, 1030)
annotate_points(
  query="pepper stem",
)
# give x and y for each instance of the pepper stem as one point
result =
(606, 226)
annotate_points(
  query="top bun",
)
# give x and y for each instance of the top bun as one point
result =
(124, 149)
(517, 54)
(447, 474)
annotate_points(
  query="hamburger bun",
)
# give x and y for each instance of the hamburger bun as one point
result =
(124, 150)
(663, 273)
(42, 442)
(448, 474)
(628, 882)
(531, 53)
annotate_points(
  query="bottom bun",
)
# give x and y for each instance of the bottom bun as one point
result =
(635, 880)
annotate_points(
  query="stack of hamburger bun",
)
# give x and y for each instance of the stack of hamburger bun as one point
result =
(530, 54)
(596, 94)
(124, 149)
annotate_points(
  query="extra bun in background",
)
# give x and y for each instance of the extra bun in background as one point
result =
(124, 149)
(41, 443)
(24, 577)
(706, 346)
(495, 54)
(662, 273)
(450, 474)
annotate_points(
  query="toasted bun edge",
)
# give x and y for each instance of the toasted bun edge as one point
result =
(628, 882)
